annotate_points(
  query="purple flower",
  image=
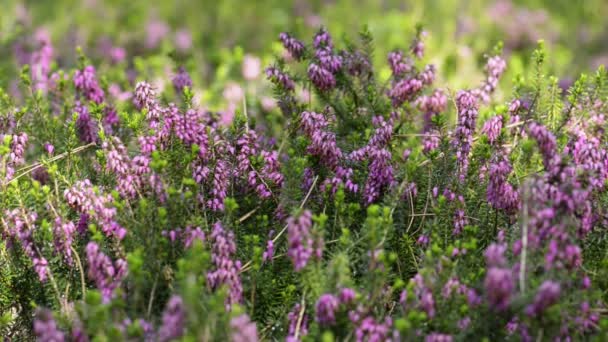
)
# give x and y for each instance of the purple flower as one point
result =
(16, 155)
(144, 96)
(499, 286)
(398, 64)
(326, 308)
(106, 275)
(380, 174)
(45, 328)
(226, 270)
(438, 337)
(492, 128)
(183, 40)
(219, 189)
(243, 329)
(404, 90)
(293, 318)
(417, 47)
(427, 76)
(280, 78)
(41, 59)
(495, 67)
(495, 255)
(181, 80)
(547, 295)
(86, 200)
(500, 193)
(86, 126)
(20, 227)
(328, 61)
(156, 31)
(323, 143)
(174, 320)
(86, 82)
(347, 295)
(546, 144)
(269, 252)
(322, 78)
(292, 45)
(370, 330)
(300, 241)
(322, 39)
(63, 235)
(463, 136)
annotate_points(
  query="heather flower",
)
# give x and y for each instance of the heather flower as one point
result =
(280, 78)
(85, 125)
(322, 78)
(106, 275)
(417, 47)
(356, 63)
(463, 136)
(252, 67)
(547, 295)
(144, 96)
(404, 90)
(192, 234)
(500, 193)
(41, 60)
(293, 318)
(86, 82)
(45, 328)
(380, 175)
(183, 40)
(499, 286)
(460, 221)
(181, 80)
(233, 93)
(398, 64)
(492, 127)
(322, 40)
(347, 296)
(292, 45)
(427, 76)
(220, 184)
(226, 270)
(323, 143)
(371, 330)
(86, 200)
(546, 143)
(300, 241)
(117, 54)
(464, 323)
(494, 255)
(156, 31)
(438, 337)
(326, 308)
(243, 329)
(174, 320)
(20, 227)
(495, 67)
(16, 155)
(269, 252)
(328, 61)
(63, 236)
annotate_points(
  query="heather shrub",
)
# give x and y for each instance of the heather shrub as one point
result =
(369, 199)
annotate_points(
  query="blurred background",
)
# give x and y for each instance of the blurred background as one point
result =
(225, 45)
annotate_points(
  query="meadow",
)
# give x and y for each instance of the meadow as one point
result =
(303, 170)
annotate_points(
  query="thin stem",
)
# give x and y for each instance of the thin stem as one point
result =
(80, 269)
(300, 318)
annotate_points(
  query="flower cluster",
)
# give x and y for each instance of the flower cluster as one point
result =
(226, 270)
(106, 274)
